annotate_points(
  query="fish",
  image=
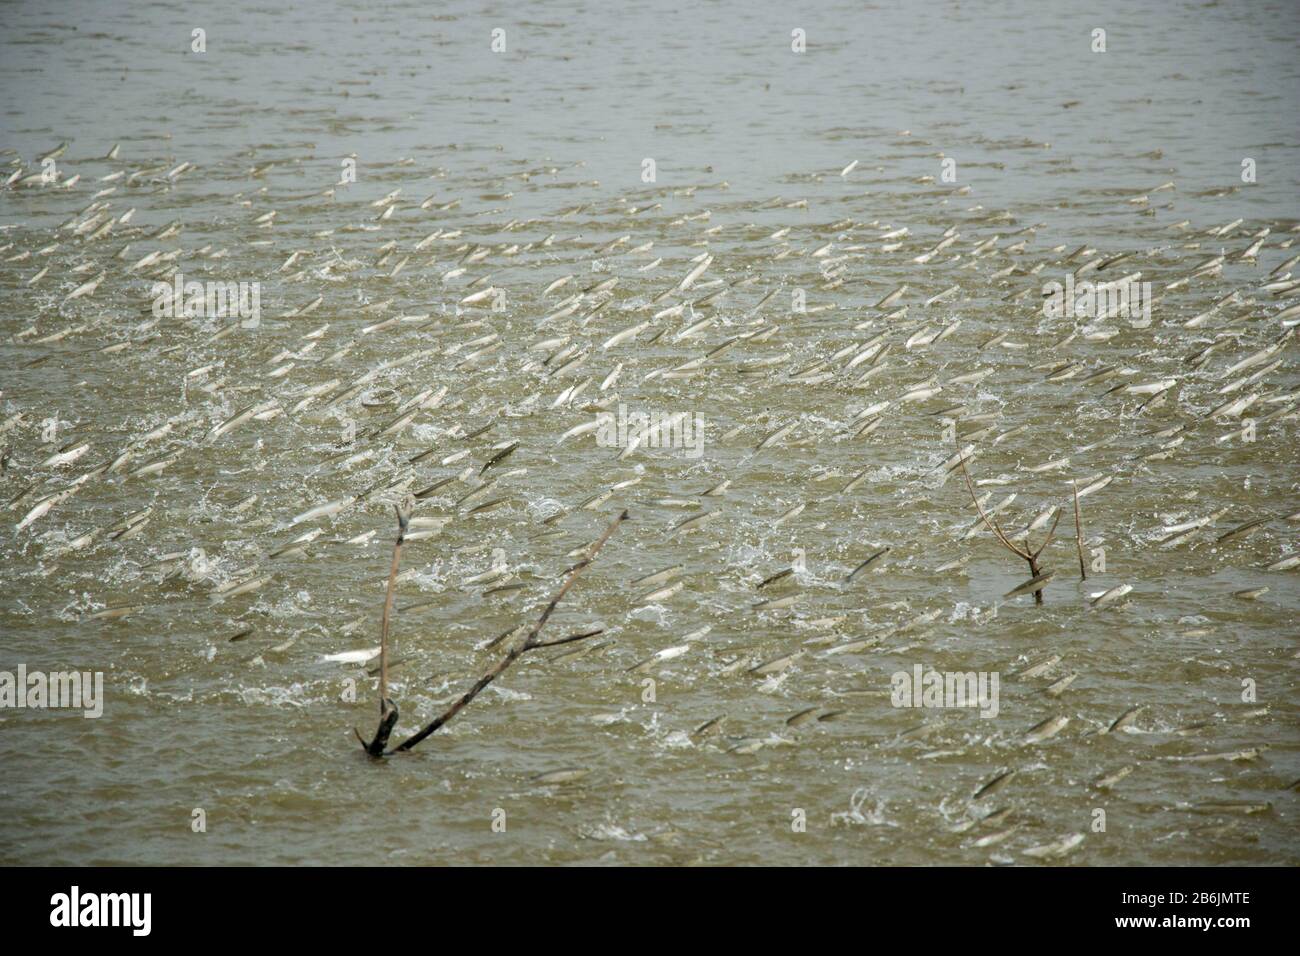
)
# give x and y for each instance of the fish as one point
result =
(245, 414)
(244, 587)
(661, 594)
(775, 436)
(1057, 688)
(994, 784)
(1056, 849)
(352, 657)
(1233, 756)
(1102, 598)
(1036, 583)
(660, 656)
(1243, 529)
(501, 455)
(1240, 807)
(1125, 720)
(659, 577)
(693, 523)
(866, 564)
(113, 613)
(1039, 667)
(67, 454)
(326, 510)
(561, 776)
(1046, 729)
(1108, 781)
(773, 578)
(853, 647)
(776, 665)
(43, 507)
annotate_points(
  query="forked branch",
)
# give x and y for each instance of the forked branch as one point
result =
(1051, 533)
(530, 642)
(991, 523)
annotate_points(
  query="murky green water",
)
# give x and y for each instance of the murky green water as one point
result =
(513, 170)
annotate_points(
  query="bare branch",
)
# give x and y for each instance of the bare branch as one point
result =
(580, 636)
(1078, 533)
(518, 650)
(989, 523)
(403, 521)
(1051, 532)
(387, 709)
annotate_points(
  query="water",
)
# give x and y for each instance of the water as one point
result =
(257, 733)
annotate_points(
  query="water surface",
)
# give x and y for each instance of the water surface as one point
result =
(534, 157)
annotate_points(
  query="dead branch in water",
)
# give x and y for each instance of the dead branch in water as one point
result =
(991, 523)
(530, 642)
(387, 709)
(1078, 533)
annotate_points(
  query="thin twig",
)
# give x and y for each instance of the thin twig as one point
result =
(403, 520)
(989, 523)
(1025, 555)
(1051, 533)
(1033, 560)
(1078, 533)
(580, 636)
(387, 709)
(530, 642)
